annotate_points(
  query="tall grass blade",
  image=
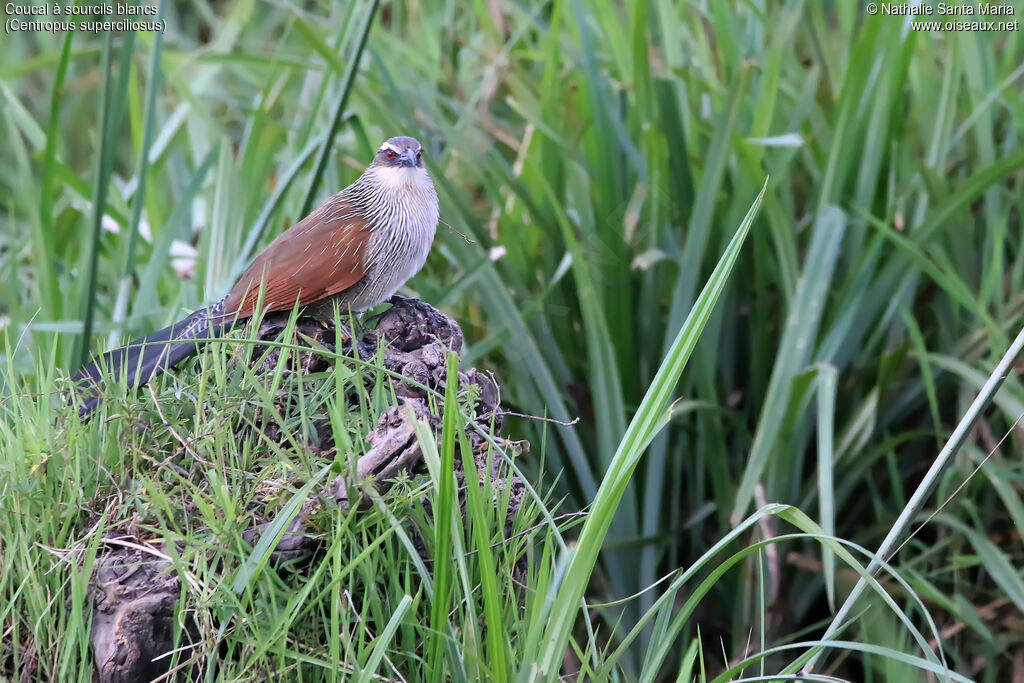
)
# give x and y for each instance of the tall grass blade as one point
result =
(636, 439)
(913, 506)
(368, 672)
(347, 80)
(41, 244)
(153, 75)
(794, 349)
(826, 391)
(87, 304)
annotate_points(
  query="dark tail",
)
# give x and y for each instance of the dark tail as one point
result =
(143, 359)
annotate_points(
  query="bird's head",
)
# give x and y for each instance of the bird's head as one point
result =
(398, 168)
(401, 151)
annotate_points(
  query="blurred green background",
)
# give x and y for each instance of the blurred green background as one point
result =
(593, 159)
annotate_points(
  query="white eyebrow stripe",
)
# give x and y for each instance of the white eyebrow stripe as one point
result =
(388, 145)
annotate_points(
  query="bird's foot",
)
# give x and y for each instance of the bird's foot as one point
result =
(420, 308)
(365, 350)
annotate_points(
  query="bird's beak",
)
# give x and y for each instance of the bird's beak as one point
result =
(408, 158)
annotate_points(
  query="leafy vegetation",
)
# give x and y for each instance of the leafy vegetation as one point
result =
(595, 162)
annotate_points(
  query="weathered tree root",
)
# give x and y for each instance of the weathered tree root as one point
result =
(135, 592)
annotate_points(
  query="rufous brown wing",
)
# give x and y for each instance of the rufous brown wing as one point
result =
(321, 255)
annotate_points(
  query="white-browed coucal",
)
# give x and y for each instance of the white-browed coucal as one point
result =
(356, 249)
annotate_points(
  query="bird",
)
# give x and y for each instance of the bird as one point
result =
(355, 250)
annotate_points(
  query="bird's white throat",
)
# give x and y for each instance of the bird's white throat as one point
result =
(401, 179)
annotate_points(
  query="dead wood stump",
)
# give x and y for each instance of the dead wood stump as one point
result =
(135, 592)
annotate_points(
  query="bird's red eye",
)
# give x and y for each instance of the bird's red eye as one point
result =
(390, 154)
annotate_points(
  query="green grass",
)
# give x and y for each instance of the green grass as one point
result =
(609, 152)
